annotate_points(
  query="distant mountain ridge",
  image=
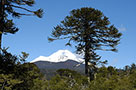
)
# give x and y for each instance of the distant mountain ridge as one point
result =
(69, 64)
(58, 60)
(49, 68)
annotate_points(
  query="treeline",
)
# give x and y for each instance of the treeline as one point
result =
(16, 74)
(106, 78)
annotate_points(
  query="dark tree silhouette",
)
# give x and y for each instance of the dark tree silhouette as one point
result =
(90, 30)
(12, 7)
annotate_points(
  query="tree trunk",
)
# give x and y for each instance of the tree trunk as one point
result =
(1, 20)
(86, 67)
(0, 41)
(87, 58)
(87, 47)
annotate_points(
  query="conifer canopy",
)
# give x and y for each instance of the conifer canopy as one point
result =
(90, 31)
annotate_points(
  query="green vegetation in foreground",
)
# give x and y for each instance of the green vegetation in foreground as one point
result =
(15, 74)
(106, 78)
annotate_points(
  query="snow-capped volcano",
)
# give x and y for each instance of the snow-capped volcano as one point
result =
(59, 56)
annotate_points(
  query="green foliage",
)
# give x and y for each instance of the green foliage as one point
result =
(39, 84)
(10, 7)
(24, 56)
(67, 80)
(30, 75)
(107, 78)
(90, 30)
(68, 73)
(27, 76)
(7, 62)
(7, 82)
(15, 75)
(13, 8)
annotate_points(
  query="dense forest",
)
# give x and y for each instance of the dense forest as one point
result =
(88, 29)
(15, 74)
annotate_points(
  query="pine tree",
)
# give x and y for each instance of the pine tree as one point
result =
(90, 30)
(11, 8)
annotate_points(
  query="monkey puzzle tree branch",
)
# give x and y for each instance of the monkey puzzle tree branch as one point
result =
(7, 7)
(38, 13)
(22, 8)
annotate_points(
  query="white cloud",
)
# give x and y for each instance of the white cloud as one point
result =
(114, 61)
(122, 28)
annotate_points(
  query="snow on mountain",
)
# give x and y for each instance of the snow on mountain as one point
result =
(59, 56)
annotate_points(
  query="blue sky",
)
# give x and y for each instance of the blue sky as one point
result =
(33, 33)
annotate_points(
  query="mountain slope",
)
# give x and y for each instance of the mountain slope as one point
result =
(69, 64)
(49, 68)
(58, 60)
(59, 56)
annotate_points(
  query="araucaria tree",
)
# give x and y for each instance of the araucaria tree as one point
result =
(12, 7)
(90, 30)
